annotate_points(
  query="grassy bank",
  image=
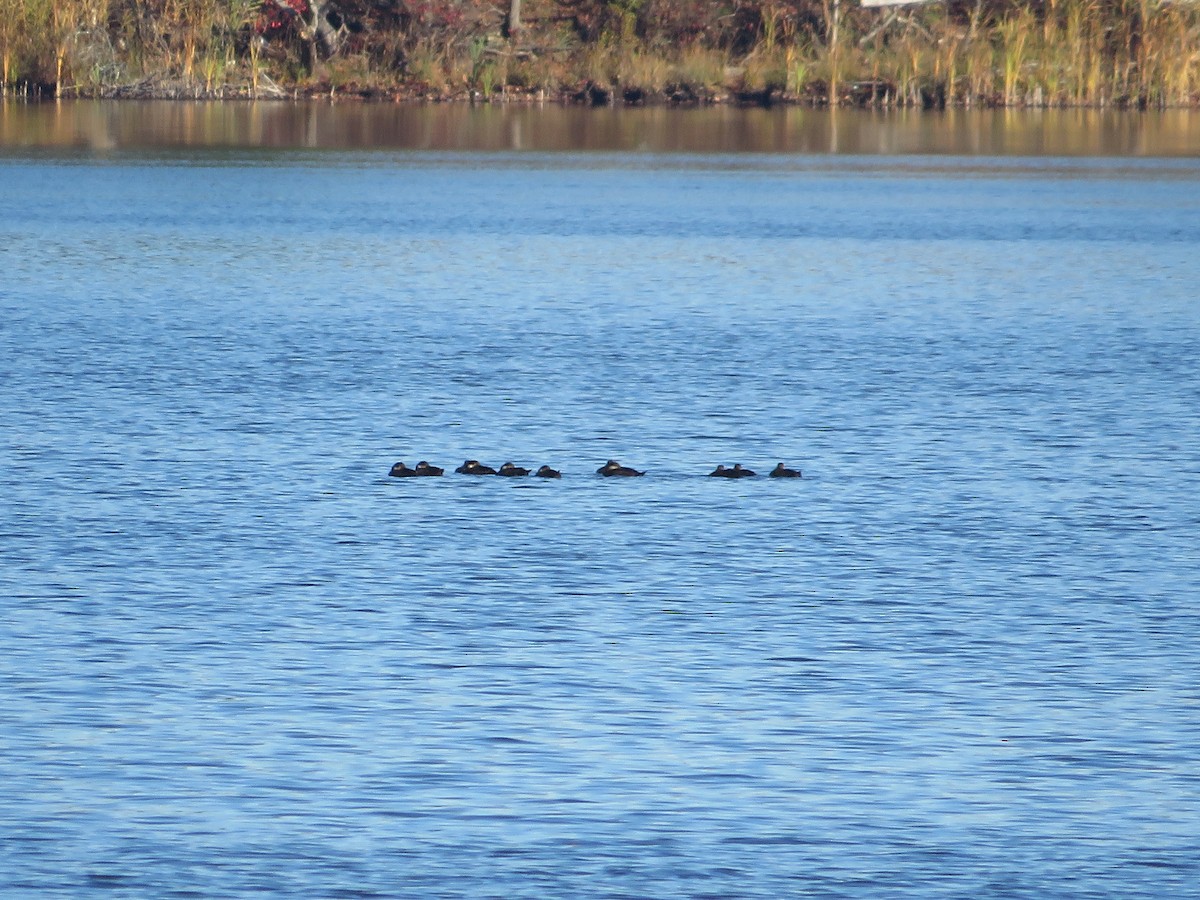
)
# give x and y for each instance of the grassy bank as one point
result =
(1139, 53)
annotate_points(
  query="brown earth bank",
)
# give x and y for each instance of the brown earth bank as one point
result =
(1050, 53)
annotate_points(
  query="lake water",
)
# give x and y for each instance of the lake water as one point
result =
(958, 658)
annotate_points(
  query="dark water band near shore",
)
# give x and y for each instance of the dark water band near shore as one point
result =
(115, 126)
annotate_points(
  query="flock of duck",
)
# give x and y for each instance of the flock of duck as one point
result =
(610, 469)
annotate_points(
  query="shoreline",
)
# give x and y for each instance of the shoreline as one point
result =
(857, 95)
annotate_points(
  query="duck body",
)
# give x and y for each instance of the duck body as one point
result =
(400, 470)
(511, 471)
(781, 472)
(614, 468)
(547, 472)
(474, 467)
(424, 469)
(736, 472)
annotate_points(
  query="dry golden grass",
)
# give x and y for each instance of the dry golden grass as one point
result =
(700, 67)
(1057, 53)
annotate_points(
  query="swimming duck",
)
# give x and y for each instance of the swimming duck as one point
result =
(612, 467)
(424, 468)
(736, 472)
(400, 470)
(512, 471)
(474, 467)
(780, 472)
(547, 472)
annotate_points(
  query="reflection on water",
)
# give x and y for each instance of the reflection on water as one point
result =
(109, 126)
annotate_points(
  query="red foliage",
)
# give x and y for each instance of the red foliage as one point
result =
(278, 16)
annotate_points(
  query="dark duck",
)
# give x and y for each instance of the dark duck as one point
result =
(612, 467)
(425, 469)
(547, 472)
(474, 467)
(781, 472)
(511, 471)
(736, 472)
(400, 470)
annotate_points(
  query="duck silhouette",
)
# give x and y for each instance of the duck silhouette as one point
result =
(474, 467)
(511, 471)
(400, 470)
(612, 467)
(736, 472)
(547, 472)
(781, 472)
(425, 469)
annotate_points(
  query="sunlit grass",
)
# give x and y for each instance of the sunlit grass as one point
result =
(1056, 53)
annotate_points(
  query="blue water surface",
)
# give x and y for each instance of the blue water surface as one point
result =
(957, 659)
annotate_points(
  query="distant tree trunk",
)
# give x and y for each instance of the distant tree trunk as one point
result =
(513, 25)
(834, 54)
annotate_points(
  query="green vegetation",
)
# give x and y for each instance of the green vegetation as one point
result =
(1141, 53)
